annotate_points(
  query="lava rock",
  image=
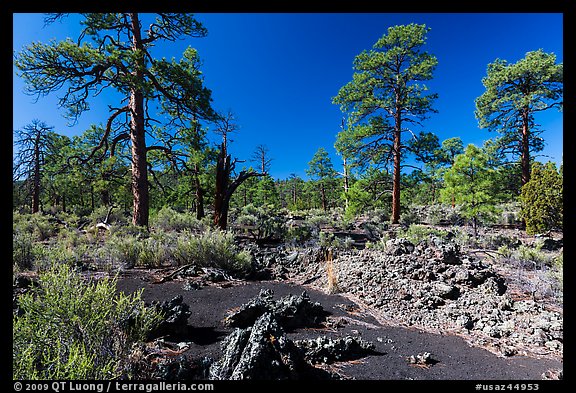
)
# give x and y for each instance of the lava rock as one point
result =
(424, 358)
(446, 291)
(290, 311)
(178, 369)
(328, 350)
(259, 352)
(175, 317)
(552, 245)
(399, 246)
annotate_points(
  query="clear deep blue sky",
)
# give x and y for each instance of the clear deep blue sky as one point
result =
(278, 73)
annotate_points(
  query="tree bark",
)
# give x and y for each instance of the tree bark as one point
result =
(346, 182)
(525, 158)
(36, 177)
(323, 193)
(137, 132)
(396, 173)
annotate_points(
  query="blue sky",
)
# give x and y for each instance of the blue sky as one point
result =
(278, 73)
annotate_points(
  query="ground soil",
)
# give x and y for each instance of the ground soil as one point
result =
(452, 357)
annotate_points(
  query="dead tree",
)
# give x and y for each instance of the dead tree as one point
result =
(225, 187)
(260, 157)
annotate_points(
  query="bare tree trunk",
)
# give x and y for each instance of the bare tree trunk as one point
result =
(222, 176)
(396, 173)
(137, 134)
(36, 179)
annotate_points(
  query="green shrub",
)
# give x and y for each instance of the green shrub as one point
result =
(213, 248)
(129, 230)
(38, 225)
(262, 222)
(154, 251)
(298, 234)
(318, 221)
(494, 241)
(125, 249)
(379, 244)
(22, 251)
(168, 220)
(558, 270)
(416, 233)
(534, 255)
(505, 251)
(100, 213)
(326, 239)
(70, 329)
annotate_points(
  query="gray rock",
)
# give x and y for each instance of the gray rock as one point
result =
(465, 321)
(328, 350)
(175, 317)
(290, 311)
(399, 246)
(446, 291)
(259, 352)
(292, 257)
(424, 358)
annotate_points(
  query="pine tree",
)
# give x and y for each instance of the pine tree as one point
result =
(387, 93)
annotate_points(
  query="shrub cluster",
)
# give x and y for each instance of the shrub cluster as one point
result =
(67, 328)
(169, 220)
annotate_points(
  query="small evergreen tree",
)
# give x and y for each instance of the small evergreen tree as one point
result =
(470, 183)
(541, 199)
(320, 168)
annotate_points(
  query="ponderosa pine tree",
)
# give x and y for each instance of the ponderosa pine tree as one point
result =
(320, 168)
(514, 93)
(113, 52)
(385, 93)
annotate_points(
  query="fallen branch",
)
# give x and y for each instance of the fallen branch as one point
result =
(173, 274)
(487, 252)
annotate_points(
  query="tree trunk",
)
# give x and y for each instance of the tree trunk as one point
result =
(346, 183)
(222, 176)
(36, 177)
(323, 193)
(137, 133)
(64, 203)
(396, 173)
(525, 158)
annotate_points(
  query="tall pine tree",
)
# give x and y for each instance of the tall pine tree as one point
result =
(386, 93)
